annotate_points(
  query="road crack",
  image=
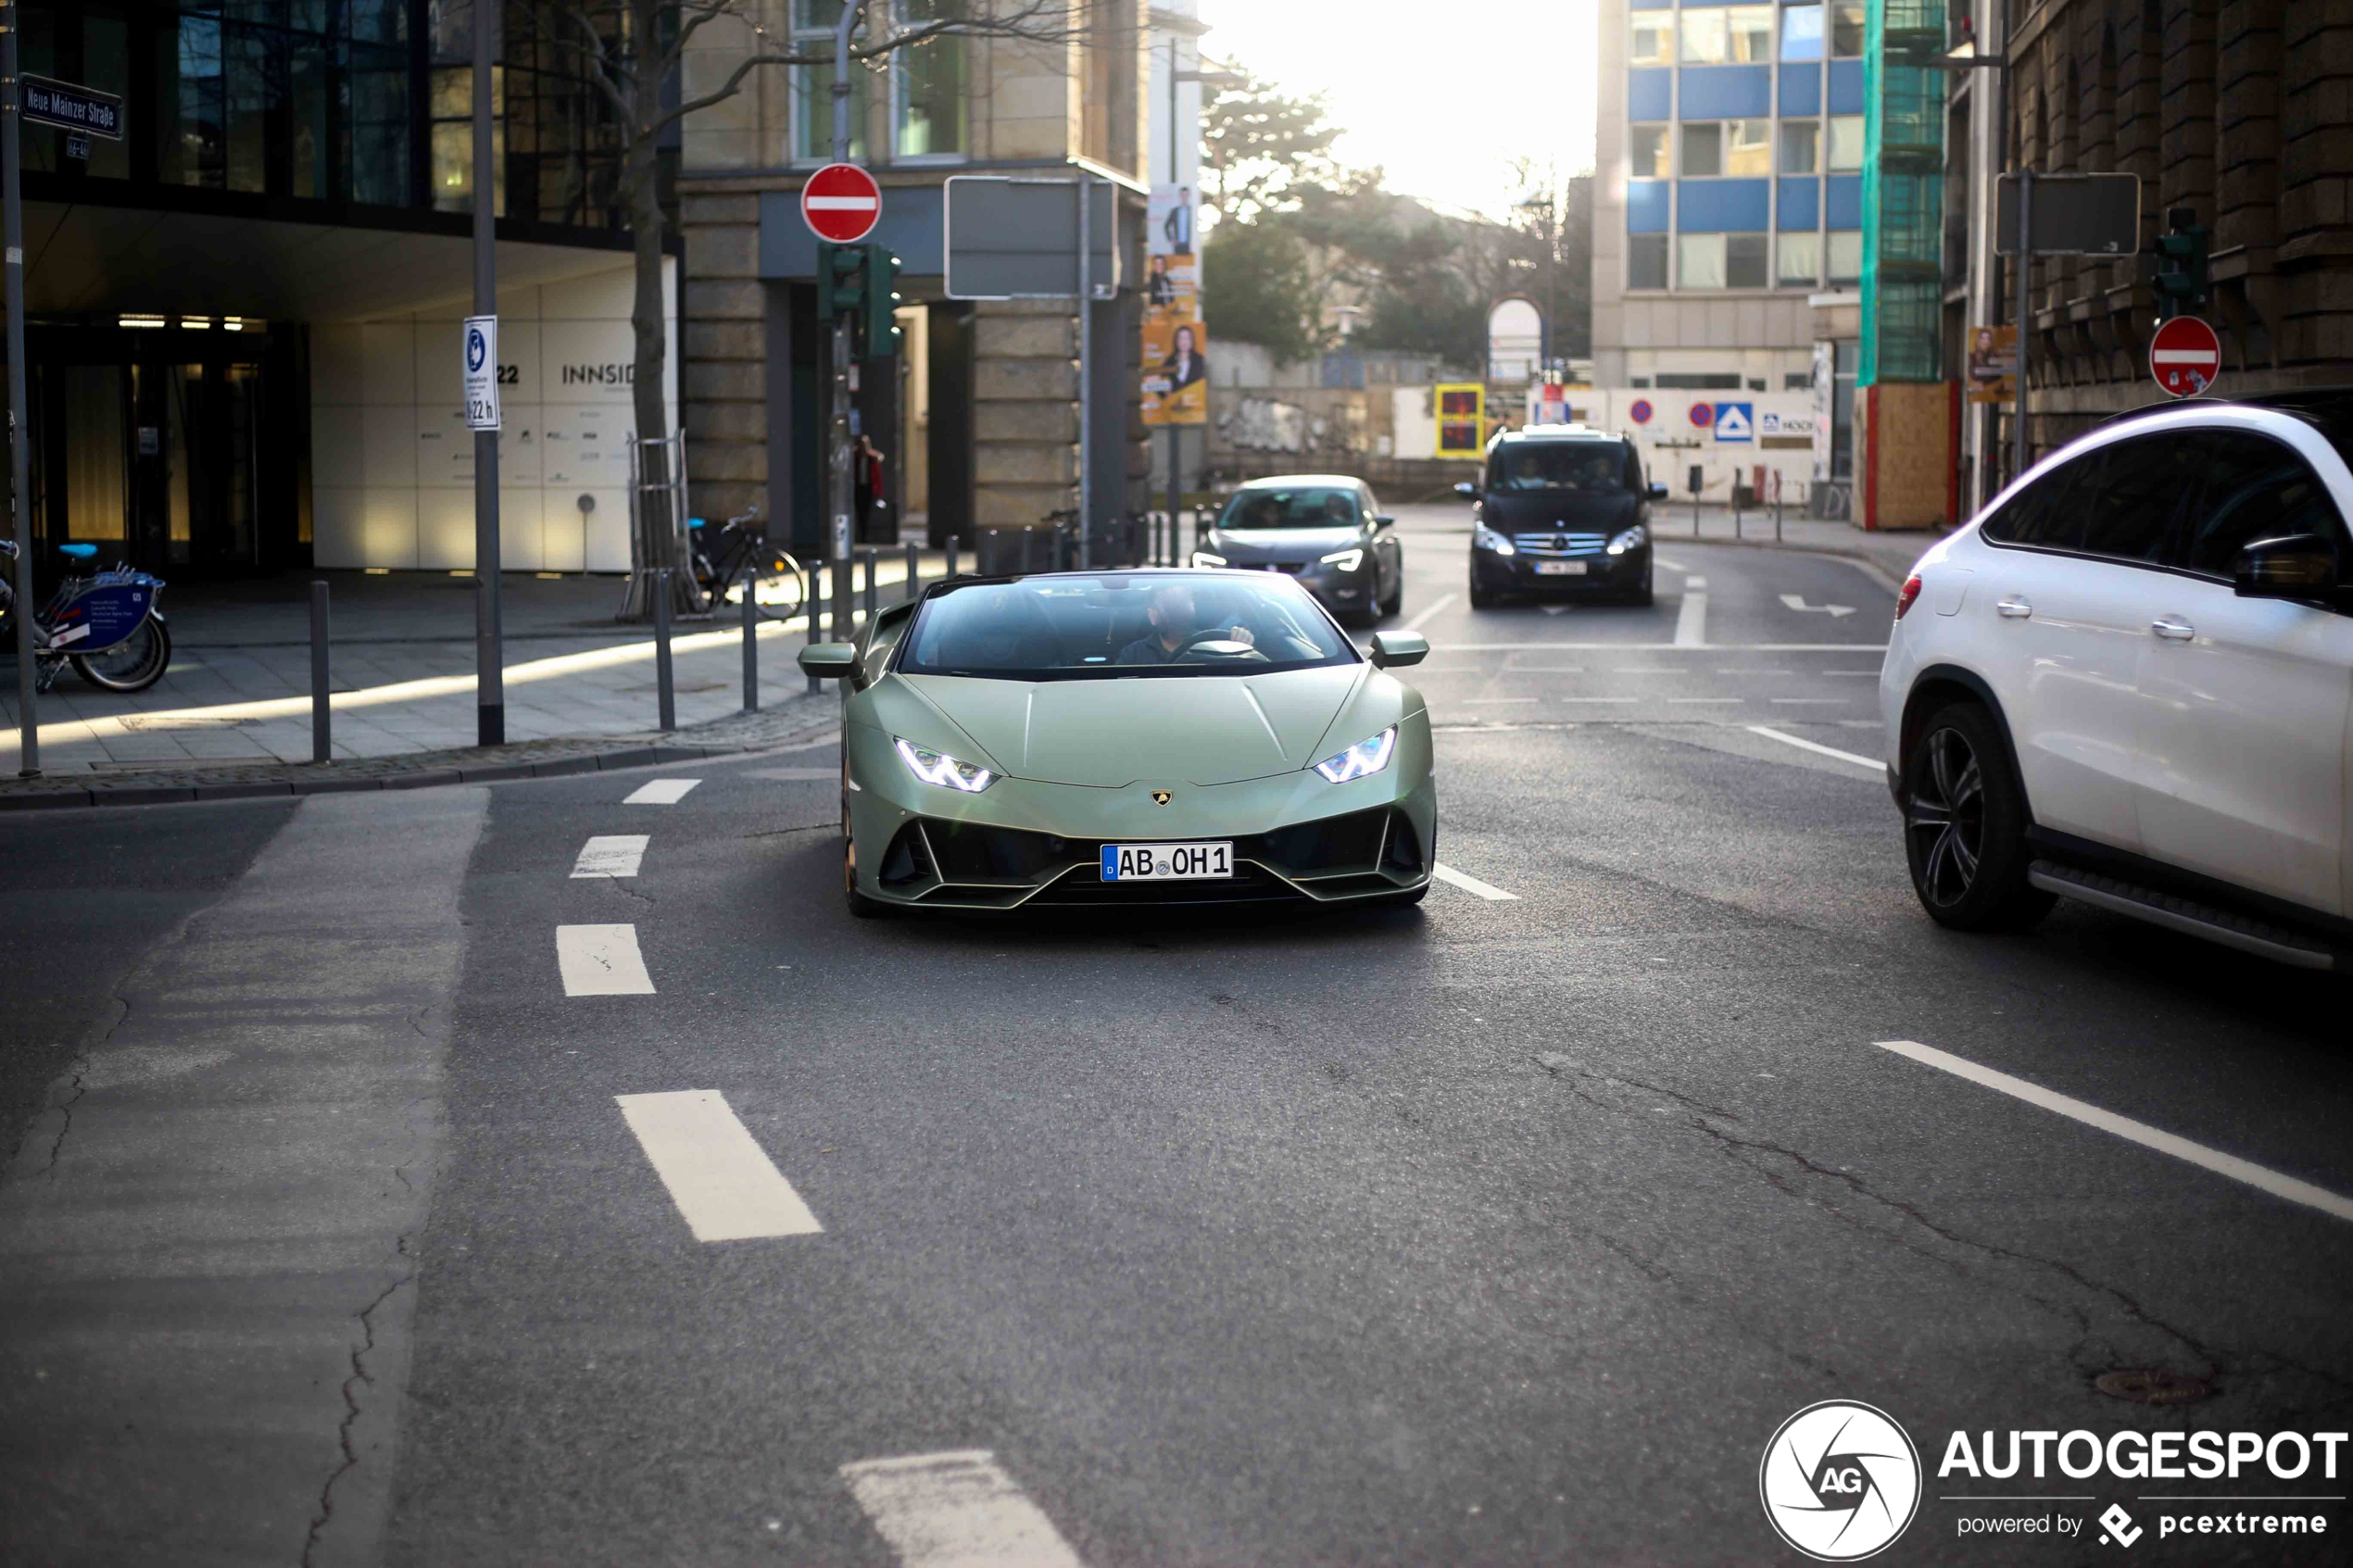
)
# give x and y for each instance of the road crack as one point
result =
(360, 1377)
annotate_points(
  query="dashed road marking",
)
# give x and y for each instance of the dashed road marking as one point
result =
(2141, 1132)
(723, 1183)
(1690, 622)
(661, 792)
(956, 1510)
(601, 960)
(615, 854)
(1472, 885)
(1433, 608)
(1818, 747)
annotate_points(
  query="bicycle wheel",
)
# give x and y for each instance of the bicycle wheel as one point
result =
(132, 665)
(777, 586)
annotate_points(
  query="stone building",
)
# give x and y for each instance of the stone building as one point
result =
(979, 418)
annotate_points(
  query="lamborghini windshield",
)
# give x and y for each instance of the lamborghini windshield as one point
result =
(1120, 625)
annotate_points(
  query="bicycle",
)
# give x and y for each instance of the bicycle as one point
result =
(105, 625)
(727, 557)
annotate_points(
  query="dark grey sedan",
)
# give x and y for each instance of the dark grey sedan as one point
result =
(1323, 529)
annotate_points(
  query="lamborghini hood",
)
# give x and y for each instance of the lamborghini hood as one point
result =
(1197, 729)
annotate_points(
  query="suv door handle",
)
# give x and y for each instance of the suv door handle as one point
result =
(2173, 628)
(2013, 607)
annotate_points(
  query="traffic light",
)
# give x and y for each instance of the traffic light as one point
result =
(2184, 274)
(881, 303)
(841, 279)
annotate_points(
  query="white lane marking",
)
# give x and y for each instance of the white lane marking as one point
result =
(1815, 747)
(2124, 1127)
(1690, 622)
(722, 1182)
(956, 1510)
(661, 792)
(1429, 609)
(1797, 602)
(1708, 701)
(615, 854)
(1472, 885)
(601, 960)
(1669, 565)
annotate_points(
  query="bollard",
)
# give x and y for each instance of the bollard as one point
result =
(322, 714)
(751, 644)
(1736, 508)
(869, 553)
(815, 612)
(1777, 506)
(914, 570)
(951, 555)
(666, 696)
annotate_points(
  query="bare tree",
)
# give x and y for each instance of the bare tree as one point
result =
(630, 49)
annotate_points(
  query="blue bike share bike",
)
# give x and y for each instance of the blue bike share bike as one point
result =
(103, 623)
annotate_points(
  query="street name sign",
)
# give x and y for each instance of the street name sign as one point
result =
(73, 108)
(2074, 215)
(2185, 356)
(841, 203)
(482, 372)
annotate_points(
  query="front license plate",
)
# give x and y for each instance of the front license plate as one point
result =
(1560, 569)
(1167, 862)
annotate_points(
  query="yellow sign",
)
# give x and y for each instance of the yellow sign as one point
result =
(1176, 367)
(1992, 364)
(1462, 419)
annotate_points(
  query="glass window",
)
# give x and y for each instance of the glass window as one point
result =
(1801, 147)
(1847, 29)
(2129, 513)
(2254, 488)
(1703, 149)
(1647, 153)
(1748, 147)
(934, 87)
(1799, 259)
(1703, 36)
(1652, 39)
(1846, 256)
(453, 139)
(1745, 261)
(1281, 506)
(1699, 261)
(2044, 515)
(189, 72)
(1119, 626)
(1802, 32)
(1647, 261)
(813, 86)
(1749, 31)
(1847, 143)
(1591, 468)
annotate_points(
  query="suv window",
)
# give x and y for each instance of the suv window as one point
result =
(2255, 488)
(2041, 516)
(2131, 508)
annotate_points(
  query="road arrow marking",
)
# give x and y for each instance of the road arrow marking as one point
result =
(1797, 602)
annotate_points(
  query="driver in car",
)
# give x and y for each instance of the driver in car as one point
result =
(1175, 622)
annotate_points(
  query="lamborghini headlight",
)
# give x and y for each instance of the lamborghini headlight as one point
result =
(1486, 538)
(938, 767)
(1205, 558)
(1633, 538)
(1361, 760)
(1343, 560)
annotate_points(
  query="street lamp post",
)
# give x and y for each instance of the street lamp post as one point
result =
(490, 691)
(1999, 66)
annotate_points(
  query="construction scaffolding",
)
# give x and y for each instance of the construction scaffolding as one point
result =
(1903, 192)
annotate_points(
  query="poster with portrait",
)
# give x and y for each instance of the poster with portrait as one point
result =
(1176, 349)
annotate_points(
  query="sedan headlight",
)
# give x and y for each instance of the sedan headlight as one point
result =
(1633, 538)
(1204, 557)
(938, 767)
(1344, 560)
(1486, 538)
(1364, 759)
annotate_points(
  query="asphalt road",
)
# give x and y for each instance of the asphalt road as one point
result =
(1502, 1230)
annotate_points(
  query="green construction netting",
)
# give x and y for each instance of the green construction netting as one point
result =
(1903, 192)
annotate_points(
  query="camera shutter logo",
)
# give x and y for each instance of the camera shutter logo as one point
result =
(1840, 1481)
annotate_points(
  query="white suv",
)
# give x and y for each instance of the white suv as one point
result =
(2129, 682)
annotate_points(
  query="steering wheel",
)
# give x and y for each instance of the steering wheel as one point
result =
(1217, 634)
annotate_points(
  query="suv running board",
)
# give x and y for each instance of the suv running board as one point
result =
(2273, 942)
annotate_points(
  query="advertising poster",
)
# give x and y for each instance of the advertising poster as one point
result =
(1174, 359)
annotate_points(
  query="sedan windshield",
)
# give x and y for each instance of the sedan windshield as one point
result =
(1074, 627)
(1310, 507)
(1594, 467)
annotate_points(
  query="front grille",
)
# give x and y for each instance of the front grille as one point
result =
(1559, 542)
(975, 852)
(1331, 845)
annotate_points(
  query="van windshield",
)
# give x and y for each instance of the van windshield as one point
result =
(1602, 467)
(1073, 626)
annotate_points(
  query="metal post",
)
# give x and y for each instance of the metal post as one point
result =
(914, 570)
(869, 553)
(490, 686)
(1085, 373)
(1175, 461)
(666, 693)
(815, 609)
(1736, 507)
(322, 745)
(20, 479)
(2025, 272)
(751, 643)
(1777, 506)
(951, 555)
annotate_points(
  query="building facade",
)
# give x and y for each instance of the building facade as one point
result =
(978, 420)
(243, 341)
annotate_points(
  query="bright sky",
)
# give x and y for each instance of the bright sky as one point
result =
(1443, 99)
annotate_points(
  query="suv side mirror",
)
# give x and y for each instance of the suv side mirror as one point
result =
(1658, 492)
(1394, 651)
(829, 661)
(1466, 490)
(2299, 566)
(1383, 520)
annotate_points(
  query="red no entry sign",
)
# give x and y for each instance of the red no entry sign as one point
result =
(2185, 356)
(841, 203)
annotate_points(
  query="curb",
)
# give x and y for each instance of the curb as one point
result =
(1869, 563)
(494, 772)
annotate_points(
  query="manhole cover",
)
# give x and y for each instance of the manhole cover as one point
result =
(2146, 1385)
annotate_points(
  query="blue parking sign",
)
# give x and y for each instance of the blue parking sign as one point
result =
(1735, 421)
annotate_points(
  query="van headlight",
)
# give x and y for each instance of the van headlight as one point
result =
(1633, 538)
(1486, 538)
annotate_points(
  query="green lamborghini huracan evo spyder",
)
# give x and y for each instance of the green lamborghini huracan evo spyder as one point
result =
(1151, 737)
